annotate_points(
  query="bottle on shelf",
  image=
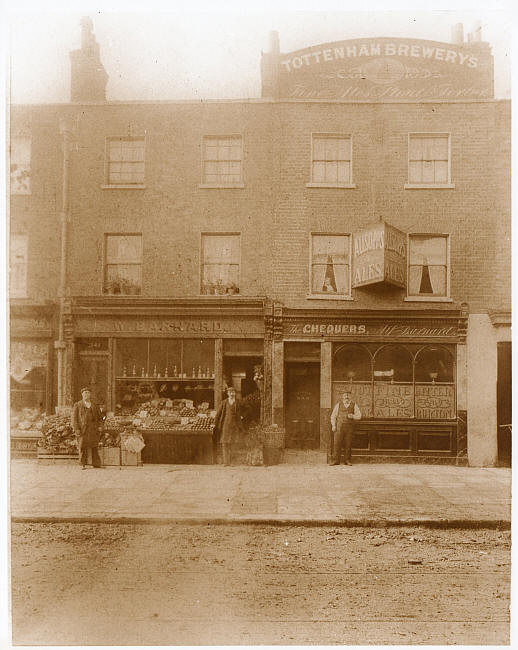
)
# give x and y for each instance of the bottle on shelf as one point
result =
(134, 370)
(124, 371)
(174, 372)
(208, 373)
(193, 371)
(199, 372)
(143, 373)
(166, 372)
(154, 371)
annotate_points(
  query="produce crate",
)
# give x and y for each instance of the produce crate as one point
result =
(109, 456)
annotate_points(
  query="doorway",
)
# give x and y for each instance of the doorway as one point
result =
(302, 400)
(504, 403)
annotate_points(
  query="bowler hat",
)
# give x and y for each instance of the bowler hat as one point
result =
(85, 388)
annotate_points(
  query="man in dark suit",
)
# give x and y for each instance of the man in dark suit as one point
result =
(87, 425)
(228, 424)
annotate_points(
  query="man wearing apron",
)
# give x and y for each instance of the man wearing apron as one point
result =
(343, 417)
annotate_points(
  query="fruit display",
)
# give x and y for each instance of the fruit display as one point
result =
(202, 424)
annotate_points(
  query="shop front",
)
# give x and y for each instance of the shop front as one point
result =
(405, 370)
(166, 366)
(31, 362)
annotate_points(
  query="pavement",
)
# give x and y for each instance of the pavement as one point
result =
(302, 491)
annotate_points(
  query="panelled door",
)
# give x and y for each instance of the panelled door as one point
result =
(302, 400)
(504, 403)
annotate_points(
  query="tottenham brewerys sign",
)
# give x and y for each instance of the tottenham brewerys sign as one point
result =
(387, 69)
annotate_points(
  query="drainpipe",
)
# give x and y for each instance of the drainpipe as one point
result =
(60, 344)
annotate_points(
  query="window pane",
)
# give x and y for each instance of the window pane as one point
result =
(440, 148)
(123, 279)
(428, 172)
(428, 249)
(438, 280)
(434, 363)
(318, 149)
(344, 172)
(396, 362)
(319, 170)
(331, 172)
(441, 172)
(132, 355)
(344, 146)
(416, 148)
(415, 171)
(235, 152)
(198, 355)
(211, 152)
(352, 362)
(331, 149)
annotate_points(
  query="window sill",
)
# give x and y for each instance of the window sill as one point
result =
(429, 186)
(427, 299)
(219, 186)
(313, 296)
(134, 186)
(338, 186)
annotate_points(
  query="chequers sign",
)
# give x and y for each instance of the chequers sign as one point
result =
(387, 69)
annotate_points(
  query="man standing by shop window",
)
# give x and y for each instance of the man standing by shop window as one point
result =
(228, 424)
(343, 417)
(87, 424)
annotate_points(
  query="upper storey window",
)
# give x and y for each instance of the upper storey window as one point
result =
(125, 161)
(428, 267)
(20, 165)
(429, 160)
(222, 161)
(330, 255)
(220, 261)
(331, 164)
(123, 265)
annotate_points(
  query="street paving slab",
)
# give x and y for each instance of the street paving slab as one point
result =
(363, 494)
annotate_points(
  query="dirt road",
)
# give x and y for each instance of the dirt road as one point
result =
(101, 584)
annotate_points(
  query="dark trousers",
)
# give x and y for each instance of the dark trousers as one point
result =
(342, 439)
(96, 460)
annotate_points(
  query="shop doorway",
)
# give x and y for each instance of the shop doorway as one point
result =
(92, 371)
(238, 372)
(302, 400)
(504, 403)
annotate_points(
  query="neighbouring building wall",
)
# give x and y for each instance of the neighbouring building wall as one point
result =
(482, 376)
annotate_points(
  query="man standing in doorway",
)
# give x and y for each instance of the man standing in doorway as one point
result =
(343, 417)
(228, 424)
(87, 422)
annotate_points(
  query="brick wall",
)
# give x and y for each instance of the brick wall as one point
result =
(275, 211)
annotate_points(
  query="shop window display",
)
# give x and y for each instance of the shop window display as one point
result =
(164, 371)
(397, 381)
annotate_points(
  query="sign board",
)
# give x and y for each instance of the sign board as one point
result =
(357, 329)
(379, 255)
(387, 69)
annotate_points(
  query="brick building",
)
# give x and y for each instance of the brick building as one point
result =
(350, 227)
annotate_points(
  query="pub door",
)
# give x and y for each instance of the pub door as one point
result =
(302, 400)
(504, 403)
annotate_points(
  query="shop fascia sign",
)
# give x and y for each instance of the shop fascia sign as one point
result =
(397, 330)
(379, 255)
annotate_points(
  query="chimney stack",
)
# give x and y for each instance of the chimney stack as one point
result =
(457, 34)
(88, 77)
(270, 67)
